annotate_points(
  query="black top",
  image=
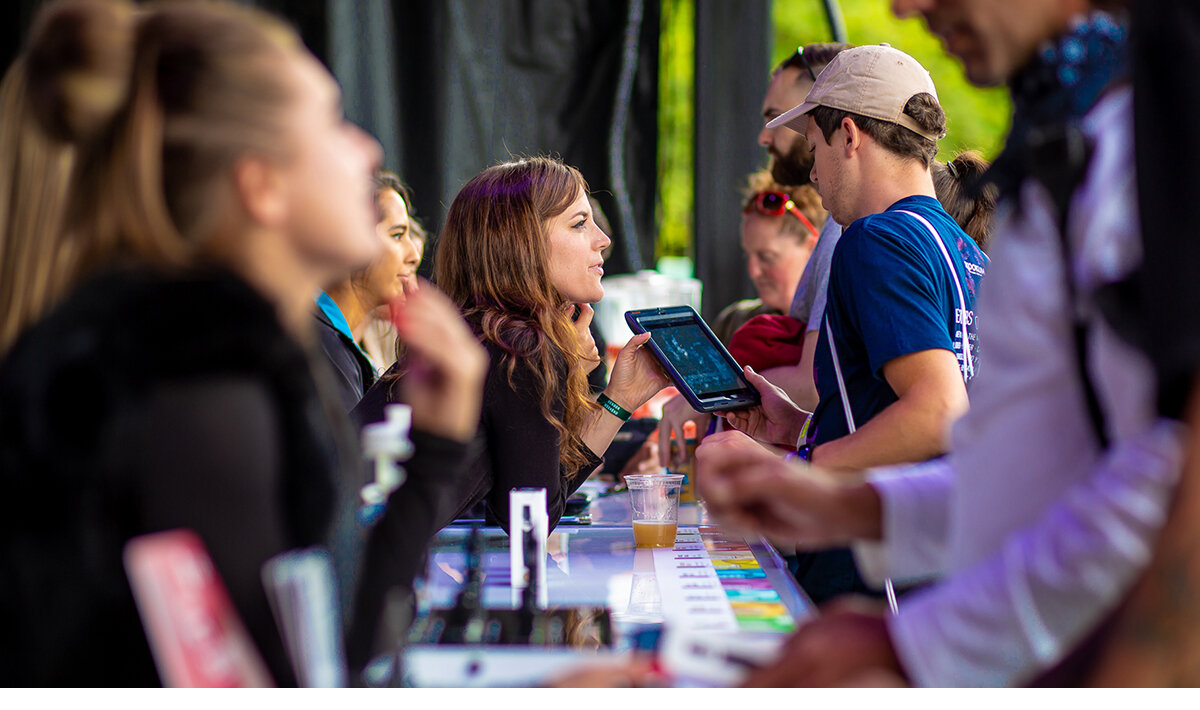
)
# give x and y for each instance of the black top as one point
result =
(353, 370)
(517, 446)
(144, 404)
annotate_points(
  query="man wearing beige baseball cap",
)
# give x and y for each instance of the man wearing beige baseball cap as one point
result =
(898, 340)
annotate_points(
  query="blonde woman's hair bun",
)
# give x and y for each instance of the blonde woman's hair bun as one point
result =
(79, 64)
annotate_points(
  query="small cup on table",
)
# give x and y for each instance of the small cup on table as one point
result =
(655, 501)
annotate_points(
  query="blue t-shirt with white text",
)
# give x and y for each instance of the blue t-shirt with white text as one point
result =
(891, 293)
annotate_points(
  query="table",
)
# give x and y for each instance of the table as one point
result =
(589, 564)
(748, 597)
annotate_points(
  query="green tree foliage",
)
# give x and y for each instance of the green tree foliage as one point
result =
(977, 118)
(676, 150)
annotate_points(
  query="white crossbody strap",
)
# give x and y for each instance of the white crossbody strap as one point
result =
(889, 589)
(968, 367)
(837, 370)
(968, 363)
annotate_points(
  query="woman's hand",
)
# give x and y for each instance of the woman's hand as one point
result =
(583, 332)
(675, 414)
(776, 421)
(446, 365)
(636, 376)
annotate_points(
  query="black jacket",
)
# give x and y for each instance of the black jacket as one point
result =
(515, 446)
(144, 404)
(353, 370)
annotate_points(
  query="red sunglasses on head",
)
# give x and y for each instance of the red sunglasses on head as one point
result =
(774, 204)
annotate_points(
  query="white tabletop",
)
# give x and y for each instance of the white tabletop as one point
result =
(591, 564)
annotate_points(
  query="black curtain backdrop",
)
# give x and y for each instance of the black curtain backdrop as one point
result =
(732, 64)
(453, 86)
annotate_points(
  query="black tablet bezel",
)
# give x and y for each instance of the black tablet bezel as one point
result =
(747, 396)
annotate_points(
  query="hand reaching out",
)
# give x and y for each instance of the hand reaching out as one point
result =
(675, 414)
(847, 645)
(776, 421)
(751, 489)
(636, 672)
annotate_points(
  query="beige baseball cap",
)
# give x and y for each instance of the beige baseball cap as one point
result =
(874, 80)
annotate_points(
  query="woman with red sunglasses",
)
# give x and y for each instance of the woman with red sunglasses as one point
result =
(779, 231)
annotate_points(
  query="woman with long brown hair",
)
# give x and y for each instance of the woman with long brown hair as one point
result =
(521, 256)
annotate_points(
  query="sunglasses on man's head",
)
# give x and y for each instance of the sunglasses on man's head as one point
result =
(804, 60)
(774, 204)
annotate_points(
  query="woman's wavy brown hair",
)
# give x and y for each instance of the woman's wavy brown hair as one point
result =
(493, 260)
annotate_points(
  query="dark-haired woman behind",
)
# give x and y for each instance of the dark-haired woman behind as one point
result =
(521, 256)
(955, 184)
(344, 309)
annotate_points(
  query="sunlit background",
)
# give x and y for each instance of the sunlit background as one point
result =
(977, 118)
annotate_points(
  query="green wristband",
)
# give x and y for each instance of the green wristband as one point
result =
(613, 408)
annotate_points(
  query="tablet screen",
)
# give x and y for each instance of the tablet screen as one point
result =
(689, 349)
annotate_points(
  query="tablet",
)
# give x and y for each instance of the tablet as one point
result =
(699, 365)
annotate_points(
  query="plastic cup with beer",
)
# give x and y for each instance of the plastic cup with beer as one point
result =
(655, 501)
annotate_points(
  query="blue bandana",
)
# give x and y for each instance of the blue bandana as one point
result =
(1061, 83)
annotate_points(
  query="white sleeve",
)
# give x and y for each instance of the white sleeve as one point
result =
(915, 503)
(1007, 619)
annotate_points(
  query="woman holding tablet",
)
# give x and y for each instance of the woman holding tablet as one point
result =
(521, 256)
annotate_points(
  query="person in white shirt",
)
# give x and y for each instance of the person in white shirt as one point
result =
(1047, 507)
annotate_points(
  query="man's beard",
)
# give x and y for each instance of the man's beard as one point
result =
(792, 168)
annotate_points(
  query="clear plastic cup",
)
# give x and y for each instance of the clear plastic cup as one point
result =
(655, 501)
